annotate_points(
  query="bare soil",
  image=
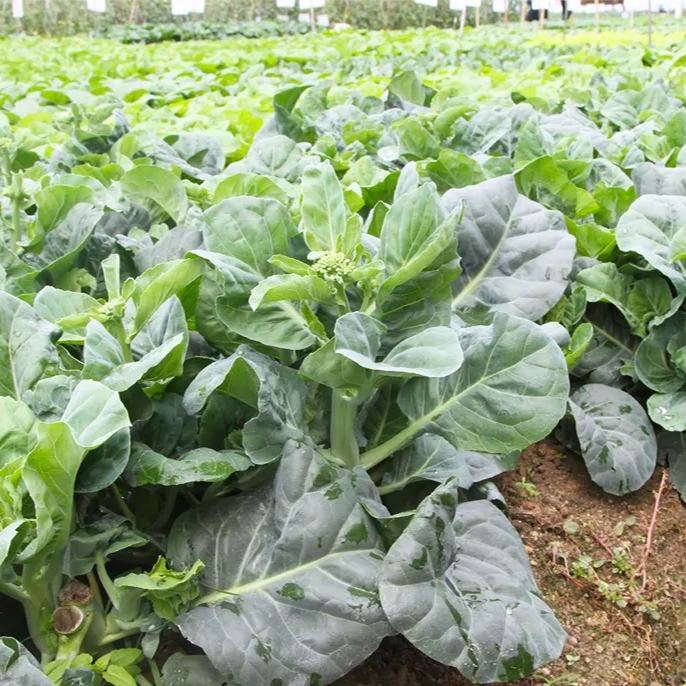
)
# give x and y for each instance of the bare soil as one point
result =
(589, 553)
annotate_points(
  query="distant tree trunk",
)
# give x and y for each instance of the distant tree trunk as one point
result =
(133, 10)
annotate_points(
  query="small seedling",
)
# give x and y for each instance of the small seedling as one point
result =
(621, 562)
(529, 489)
(570, 526)
(620, 526)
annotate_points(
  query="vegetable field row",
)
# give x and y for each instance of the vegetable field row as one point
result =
(273, 314)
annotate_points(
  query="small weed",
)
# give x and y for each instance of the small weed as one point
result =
(621, 562)
(622, 588)
(529, 489)
(584, 567)
(649, 608)
(613, 593)
(570, 526)
(620, 526)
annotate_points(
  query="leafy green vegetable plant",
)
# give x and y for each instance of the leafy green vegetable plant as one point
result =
(253, 392)
(342, 375)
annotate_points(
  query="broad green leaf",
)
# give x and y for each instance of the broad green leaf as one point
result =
(290, 287)
(458, 585)
(165, 423)
(18, 666)
(159, 350)
(63, 244)
(148, 467)
(164, 336)
(654, 364)
(454, 170)
(157, 284)
(250, 230)
(184, 670)
(547, 182)
(407, 87)
(428, 458)
(380, 188)
(325, 366)
(290, 265)
(107, 535)
(118, 676)
(579, 344)
(653, 227)
(236, 278)
(16, 430)
(289, 121)
(248, 184)
(415, 141)
(639, 300)
(592, 240)
(408, 181)
(613, 203)
(611, 348)
(324, 216)
(306, 555)
(435, 352)
(606, 174)
(67, 309)
(27, 346)
(653, 180)
(147, 184)
(11, 537)
(103, 465)
(557, 332)
(510, 391)
(94, 413)
(668, 410)
(16, 276)
(277, 392)
(105, 361)
(273, 156)
(55, 201)
(50, 396)
(569, 309)
(280, 325)
(516, 255)
(616, 438)
(50, 474)
(415, 232)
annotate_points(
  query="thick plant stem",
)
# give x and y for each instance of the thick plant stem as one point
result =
(377, 455)
(41, 585)
(343, 440)
(105, 580)
(34, 612)
(69, 647)
(108, 639)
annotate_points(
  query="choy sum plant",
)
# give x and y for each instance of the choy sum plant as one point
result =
(277, 446)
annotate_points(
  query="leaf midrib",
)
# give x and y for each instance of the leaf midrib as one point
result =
(219, 595)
